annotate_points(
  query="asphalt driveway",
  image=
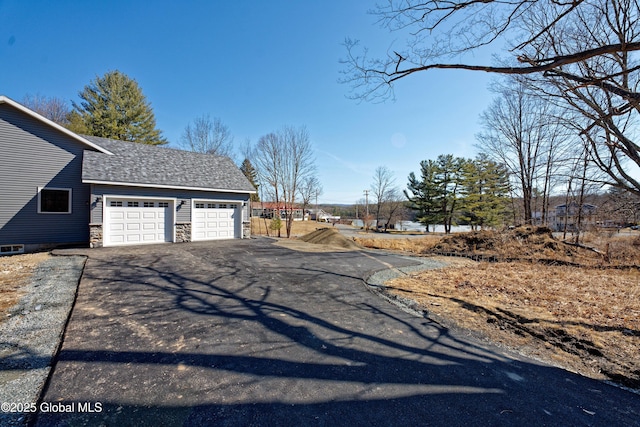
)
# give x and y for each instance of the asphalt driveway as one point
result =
(250, 333)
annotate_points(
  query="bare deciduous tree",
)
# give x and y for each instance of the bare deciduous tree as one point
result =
(206, 135)
(525, 133)
(55, 109)
(382, 189)
(268, 158)
(582, 53)
(284, 160)
(310, 189)
(393, 208)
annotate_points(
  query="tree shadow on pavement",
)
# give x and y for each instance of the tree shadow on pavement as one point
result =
(255, 334)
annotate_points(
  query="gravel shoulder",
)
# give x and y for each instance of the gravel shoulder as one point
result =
(30, 337)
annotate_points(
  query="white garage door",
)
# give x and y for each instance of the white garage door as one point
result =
(214, 220)
(134, 222)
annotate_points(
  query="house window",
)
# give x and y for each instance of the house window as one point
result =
(148, 204)
(199, 205)
(211, 205)
(132, 204)
(117, 203)
(54, 200)
(163, 204)
(223, 206)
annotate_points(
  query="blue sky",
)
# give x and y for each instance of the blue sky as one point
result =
(258, 66)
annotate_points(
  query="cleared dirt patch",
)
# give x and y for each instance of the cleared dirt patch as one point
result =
(15, 272)
(320, 240)
(329, 236)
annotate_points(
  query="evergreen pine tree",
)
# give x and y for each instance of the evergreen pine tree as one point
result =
(252, 175)
(485, 193)
(423, 194)
(113, 106)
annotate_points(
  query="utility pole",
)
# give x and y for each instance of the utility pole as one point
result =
(366, 202)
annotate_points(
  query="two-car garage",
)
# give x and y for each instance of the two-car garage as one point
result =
(143, 194)
(135, 221)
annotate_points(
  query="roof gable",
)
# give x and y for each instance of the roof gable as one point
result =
(22, 108)
(135, 164)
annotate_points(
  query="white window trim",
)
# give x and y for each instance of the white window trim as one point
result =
(69, 210)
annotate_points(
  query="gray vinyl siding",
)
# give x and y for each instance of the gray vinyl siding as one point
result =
(183, 212)
(32, 155)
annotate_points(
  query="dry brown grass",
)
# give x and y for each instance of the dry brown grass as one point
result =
(582, 313)
(585, 319)
(415, 245)
(15, 270)
(260, 227)
(523, 243)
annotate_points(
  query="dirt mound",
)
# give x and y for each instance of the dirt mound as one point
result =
(329, 236)
(521, 242)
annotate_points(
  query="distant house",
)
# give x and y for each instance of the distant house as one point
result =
(566, 216)
(61, 188)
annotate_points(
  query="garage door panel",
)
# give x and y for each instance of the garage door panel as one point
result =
(117, 227)
(116, 215)
(214, 221)
(137, 221)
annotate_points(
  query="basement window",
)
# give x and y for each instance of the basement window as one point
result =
(11, 249)
(54, 200)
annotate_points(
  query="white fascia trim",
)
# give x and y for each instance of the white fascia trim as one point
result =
(14, 104)
(172, 187)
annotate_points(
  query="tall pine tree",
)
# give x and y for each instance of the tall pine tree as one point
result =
(423, 194)
(485, 193)
(252, 175)
(113, 106)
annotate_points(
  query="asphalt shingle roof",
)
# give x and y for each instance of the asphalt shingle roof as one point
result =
(149, 165)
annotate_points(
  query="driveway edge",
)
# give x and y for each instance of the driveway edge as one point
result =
(375, 281)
